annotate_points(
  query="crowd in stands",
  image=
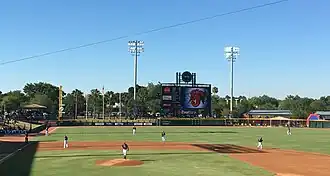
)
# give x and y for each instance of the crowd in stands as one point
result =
(8, 130)
(11, 127)
(26, 115)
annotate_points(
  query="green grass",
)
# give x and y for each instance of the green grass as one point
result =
(163, 163)
(158, 163)
(302, 138)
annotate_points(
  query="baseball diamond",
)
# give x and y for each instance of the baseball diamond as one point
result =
(187, 151)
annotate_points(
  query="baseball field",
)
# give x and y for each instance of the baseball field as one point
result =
(205, 151)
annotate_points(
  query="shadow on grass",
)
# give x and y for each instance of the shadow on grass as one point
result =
(112, 154)
(143, 132)
(19, 164)
(227, 148)
(147, 160)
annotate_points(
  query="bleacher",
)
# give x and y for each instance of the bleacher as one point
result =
(11, 127)
(269, 113)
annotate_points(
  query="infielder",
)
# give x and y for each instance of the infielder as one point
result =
(288, 132)
(163, 136)
(125, 149)
(47, 129)
(134, 130)
(260, 143)
(66, 144)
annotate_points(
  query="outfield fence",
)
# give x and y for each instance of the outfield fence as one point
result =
(183, 122)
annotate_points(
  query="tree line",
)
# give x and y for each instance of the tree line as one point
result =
(147, 102)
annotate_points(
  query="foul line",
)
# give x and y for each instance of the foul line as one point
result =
(13, 153)
(2, 160)
(52, 130)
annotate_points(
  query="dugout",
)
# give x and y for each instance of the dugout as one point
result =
(317, 117)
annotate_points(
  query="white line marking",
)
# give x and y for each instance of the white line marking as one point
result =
(52, 130)
(13, 153)
(22, 148)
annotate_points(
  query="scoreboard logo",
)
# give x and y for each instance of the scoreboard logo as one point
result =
(167, 90)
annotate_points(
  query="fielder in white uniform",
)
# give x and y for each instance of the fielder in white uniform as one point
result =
(163, 136)
(260, 143)
(125, 149)
(134, 130)
(288, 132)
(66, 144)
(47, 128)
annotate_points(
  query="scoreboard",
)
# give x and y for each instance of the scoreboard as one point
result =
(185, 99)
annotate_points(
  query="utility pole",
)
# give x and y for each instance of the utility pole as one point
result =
(60, 103)
(119, 104)
(231, 54)
(76, 107)
(109, 105)
(103, 102)
(135, 48)
(86, 113)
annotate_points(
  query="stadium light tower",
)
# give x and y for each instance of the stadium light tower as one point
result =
(135, 48)
(231, 54)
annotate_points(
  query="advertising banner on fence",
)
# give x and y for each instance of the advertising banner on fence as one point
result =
(99, 124)
(73, 123)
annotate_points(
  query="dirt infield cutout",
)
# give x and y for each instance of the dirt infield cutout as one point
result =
(119, 162)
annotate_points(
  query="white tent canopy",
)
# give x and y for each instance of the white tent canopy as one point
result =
(279, 118)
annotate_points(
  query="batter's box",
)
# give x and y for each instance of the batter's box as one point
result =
(227, 148)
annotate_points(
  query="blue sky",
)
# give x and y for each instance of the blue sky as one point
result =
(283, 47)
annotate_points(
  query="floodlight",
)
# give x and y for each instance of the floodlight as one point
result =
(135, 48)
(231, 54)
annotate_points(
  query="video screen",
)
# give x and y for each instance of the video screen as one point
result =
(195, 98)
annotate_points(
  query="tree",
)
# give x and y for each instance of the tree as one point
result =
(43, 100)
(73, 99)
(42, 88)
(109, 100)
(149, 99)
(95, 102)
(13, 100)
(215, 90)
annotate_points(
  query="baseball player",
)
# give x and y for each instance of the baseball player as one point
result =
(47, 129)
(134, 130)
(66, 145)
(125, 149)
(288, 132)
(26, 137)
(163, 136)
(260, 143)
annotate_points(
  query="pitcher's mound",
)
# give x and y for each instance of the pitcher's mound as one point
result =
(119, 162)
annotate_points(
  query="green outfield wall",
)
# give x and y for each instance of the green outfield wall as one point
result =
(319, 124)
(181, 122)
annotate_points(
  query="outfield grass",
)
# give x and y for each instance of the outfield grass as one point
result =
(303, 139)
(169, 163)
